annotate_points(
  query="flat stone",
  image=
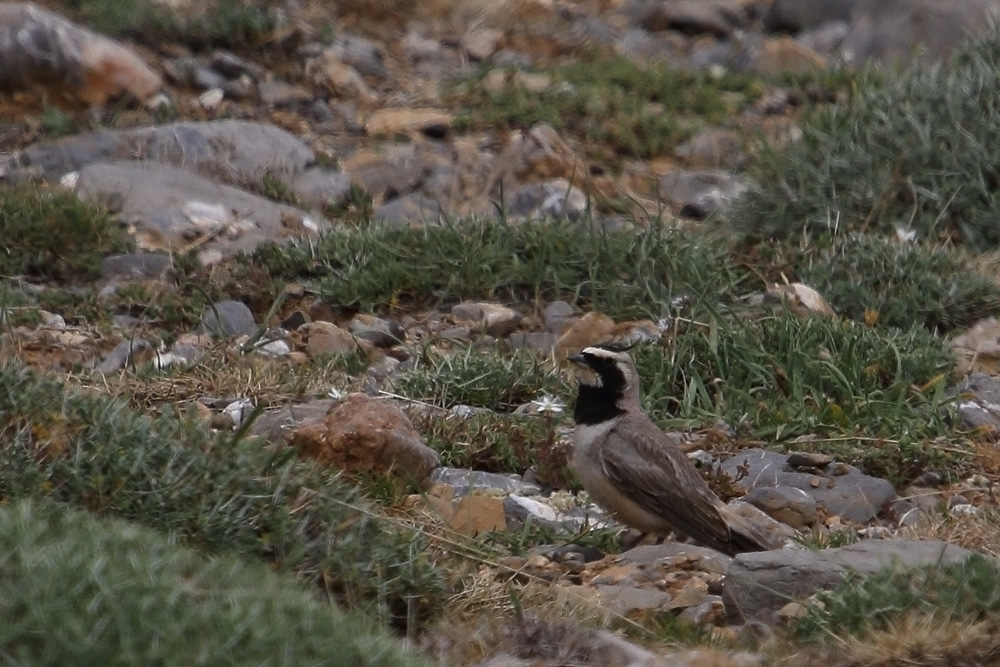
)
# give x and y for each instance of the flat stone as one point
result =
(392, 122)
(231, 151)
(463, 480)
(624, 599)
(853, 496)
(173, 209)
(788, 505)
(136, 266)
(759, 584)
(701, 558)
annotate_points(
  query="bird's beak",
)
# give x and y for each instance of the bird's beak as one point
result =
(577, 359)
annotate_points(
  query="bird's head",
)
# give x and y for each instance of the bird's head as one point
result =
(609, 383)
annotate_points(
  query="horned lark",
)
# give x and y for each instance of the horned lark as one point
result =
(630, 467)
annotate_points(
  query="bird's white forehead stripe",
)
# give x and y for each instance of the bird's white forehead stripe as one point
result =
(601, 352)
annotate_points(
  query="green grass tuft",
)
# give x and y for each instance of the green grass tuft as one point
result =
(913, 152)
(83, 591)
(969, 590)
(235, 24)
(639, 111)
(876, 397)
(623, 274)
(906, 284)
(213, 494)
(52, 235)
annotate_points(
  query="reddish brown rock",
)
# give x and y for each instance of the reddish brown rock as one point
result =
(363, 435)
(38, 47)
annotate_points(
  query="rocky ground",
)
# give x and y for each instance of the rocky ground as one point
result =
(210, 144)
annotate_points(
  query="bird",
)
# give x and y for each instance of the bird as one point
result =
(632, 469)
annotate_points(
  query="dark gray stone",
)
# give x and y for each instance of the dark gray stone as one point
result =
(698, 194)
(121, 356)
(228, 318)
(760, 583)
(853, 496)
(232, 151)
(136, 266)
(797, 15)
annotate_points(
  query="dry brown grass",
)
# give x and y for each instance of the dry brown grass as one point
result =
(915, 641)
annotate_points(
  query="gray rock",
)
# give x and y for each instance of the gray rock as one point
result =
(698, 194)
(321, 187)
(692, 17)
(411, 208)
(980, 407)
(276, 425)
(559, 316)
(377, 331)
(708, 560)
(136, 266)
(172, 208)
(491, 318)
(463, 481)
(123, 354)
(853, 496)
(280, 94)
(712, 148)
(788, 505)
(551, 199)
(760, 583)
(893, 31)
(623, 599)
(797, 15)
(539, 341)
(228, 318)
(520, 509)
(232, 151)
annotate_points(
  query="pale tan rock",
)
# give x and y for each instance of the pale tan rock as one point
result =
(590, 329)
(326, 338)
(801, 299)
(978, 349)
(367, 435)
(342, 80)
(690, 595)
(481, 43)
(391, 122)
(493, 319)
(475, 514)
(784, 54)
(39, 47)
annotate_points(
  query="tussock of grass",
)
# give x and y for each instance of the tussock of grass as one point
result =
(905, 284)
(236, 24)
(482, 379)
(52, 235)
(635, 110)
(623, 274)
(83, 591)
(913, 151)
(213, 494)
(966, 591)
(874, 397)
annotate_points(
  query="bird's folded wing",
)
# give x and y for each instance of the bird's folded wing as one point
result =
(646, 467)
